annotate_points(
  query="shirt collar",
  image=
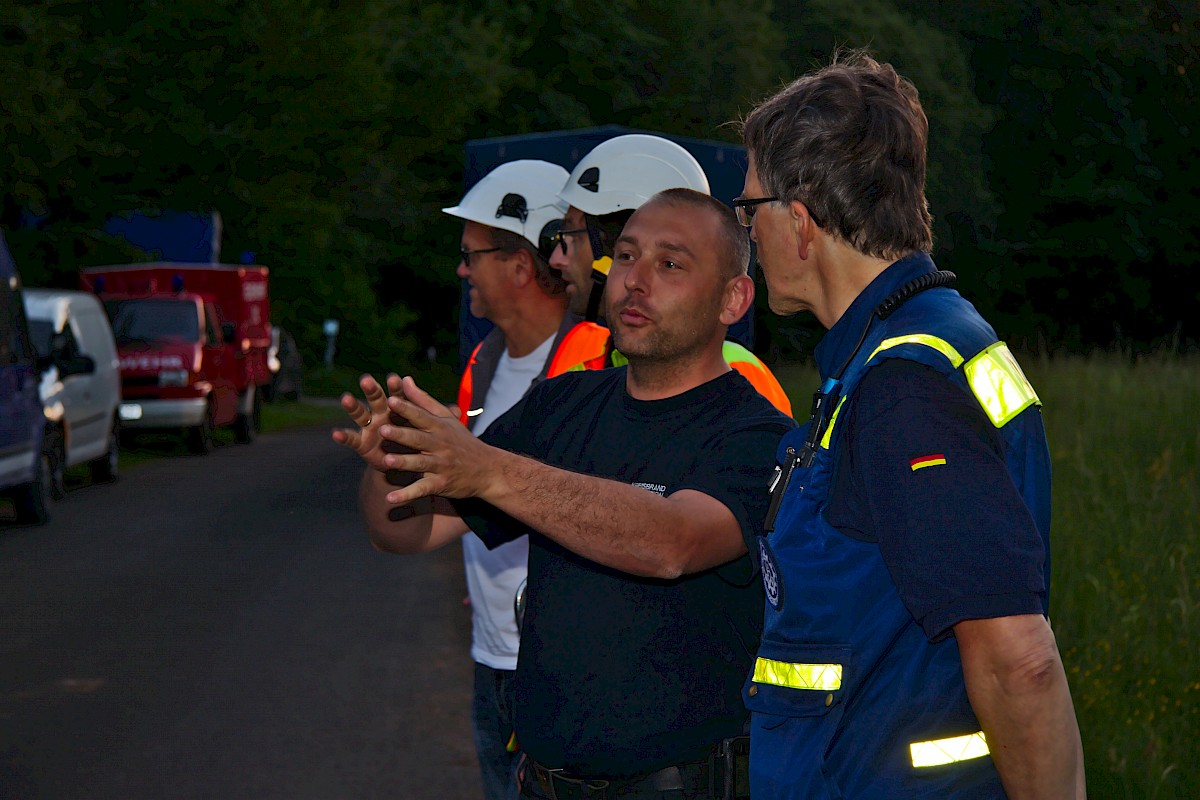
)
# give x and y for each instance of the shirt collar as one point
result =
(840, 340)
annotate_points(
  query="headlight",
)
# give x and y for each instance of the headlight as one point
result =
(173, 377)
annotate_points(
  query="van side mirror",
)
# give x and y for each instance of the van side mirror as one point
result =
(228, 332)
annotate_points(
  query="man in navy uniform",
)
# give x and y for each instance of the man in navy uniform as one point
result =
(906, 650)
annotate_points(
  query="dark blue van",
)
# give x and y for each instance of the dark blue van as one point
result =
(25, 467)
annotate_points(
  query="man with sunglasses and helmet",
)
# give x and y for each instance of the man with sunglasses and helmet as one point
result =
(907, 650)
(509, 218)
(604, 189)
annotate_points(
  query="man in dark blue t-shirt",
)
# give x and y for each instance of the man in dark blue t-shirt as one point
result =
(639, 488)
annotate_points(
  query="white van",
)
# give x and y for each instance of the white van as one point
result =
(81, 387)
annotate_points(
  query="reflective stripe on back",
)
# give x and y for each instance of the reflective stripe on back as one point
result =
(821, 677)
(938, 752)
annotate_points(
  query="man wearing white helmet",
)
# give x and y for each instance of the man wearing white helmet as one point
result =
(509, 218)
(604, 189)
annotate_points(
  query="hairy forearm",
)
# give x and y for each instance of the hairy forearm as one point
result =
(612, 523)
(1018, 689)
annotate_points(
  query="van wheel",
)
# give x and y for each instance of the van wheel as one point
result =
(200, 438)
(32, 500)
(247, 426)
(105, 468)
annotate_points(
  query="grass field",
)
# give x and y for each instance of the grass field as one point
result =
(1125, 599)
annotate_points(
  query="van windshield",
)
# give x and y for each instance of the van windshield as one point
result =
(153, 320)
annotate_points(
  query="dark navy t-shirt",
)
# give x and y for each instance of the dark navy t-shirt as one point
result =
(620, 675)
(923, 474)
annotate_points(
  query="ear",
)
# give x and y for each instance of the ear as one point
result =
(803, 227)
(739, 295)
(523, 270)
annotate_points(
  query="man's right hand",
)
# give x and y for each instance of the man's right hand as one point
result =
(369, 415)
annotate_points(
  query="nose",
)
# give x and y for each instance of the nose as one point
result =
(463, 270)
(558, 259)
(637, 277)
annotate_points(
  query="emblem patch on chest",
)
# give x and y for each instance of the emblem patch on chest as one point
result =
(772, 582)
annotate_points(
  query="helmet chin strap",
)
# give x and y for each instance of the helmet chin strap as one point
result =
(601, 264)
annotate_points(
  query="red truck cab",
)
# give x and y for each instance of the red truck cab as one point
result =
(192, 341)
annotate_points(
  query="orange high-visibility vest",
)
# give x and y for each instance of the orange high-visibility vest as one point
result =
(584, 346)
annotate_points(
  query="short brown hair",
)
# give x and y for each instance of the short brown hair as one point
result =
(849, 142)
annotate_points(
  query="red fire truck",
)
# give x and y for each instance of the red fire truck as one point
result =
(192, 341)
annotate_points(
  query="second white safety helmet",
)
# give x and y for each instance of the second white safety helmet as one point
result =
(623, 172)
(518, 196)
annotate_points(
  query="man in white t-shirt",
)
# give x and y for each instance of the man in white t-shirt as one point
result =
(510, 219)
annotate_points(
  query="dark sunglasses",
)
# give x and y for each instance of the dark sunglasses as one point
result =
(560, 238)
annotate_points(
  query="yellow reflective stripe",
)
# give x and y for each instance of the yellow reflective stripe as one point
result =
(822, 677)
(948, 751)
(999, 384)
(828, 437)
(941, 345)
(618, 358)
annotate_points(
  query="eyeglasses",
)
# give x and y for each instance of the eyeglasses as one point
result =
(465, 255)
(560, 238)
(747, 207)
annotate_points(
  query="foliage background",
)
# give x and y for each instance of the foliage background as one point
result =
(328, 134)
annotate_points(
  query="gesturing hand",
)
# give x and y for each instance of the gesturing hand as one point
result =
(369, 414)
(453, 462)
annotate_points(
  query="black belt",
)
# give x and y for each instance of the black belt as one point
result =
(557, 785)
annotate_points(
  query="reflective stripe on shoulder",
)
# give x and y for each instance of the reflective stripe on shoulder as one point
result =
(821, 677)
(938, 752)
(941, 345)
(994, 376)
(999, 384)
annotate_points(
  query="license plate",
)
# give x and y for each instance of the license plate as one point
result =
(131, 411)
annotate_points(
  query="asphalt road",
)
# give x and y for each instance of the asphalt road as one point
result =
(219, 627)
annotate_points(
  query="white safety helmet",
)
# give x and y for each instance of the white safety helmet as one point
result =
(623, 172)
(517, 196)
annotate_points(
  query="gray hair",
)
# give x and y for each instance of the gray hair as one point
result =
(849, 142)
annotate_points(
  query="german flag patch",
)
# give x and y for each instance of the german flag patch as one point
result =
(932, 460)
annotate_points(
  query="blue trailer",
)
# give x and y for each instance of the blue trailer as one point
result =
(725, 165)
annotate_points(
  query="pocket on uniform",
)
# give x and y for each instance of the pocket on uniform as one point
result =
(796, 695)
(797, 680)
